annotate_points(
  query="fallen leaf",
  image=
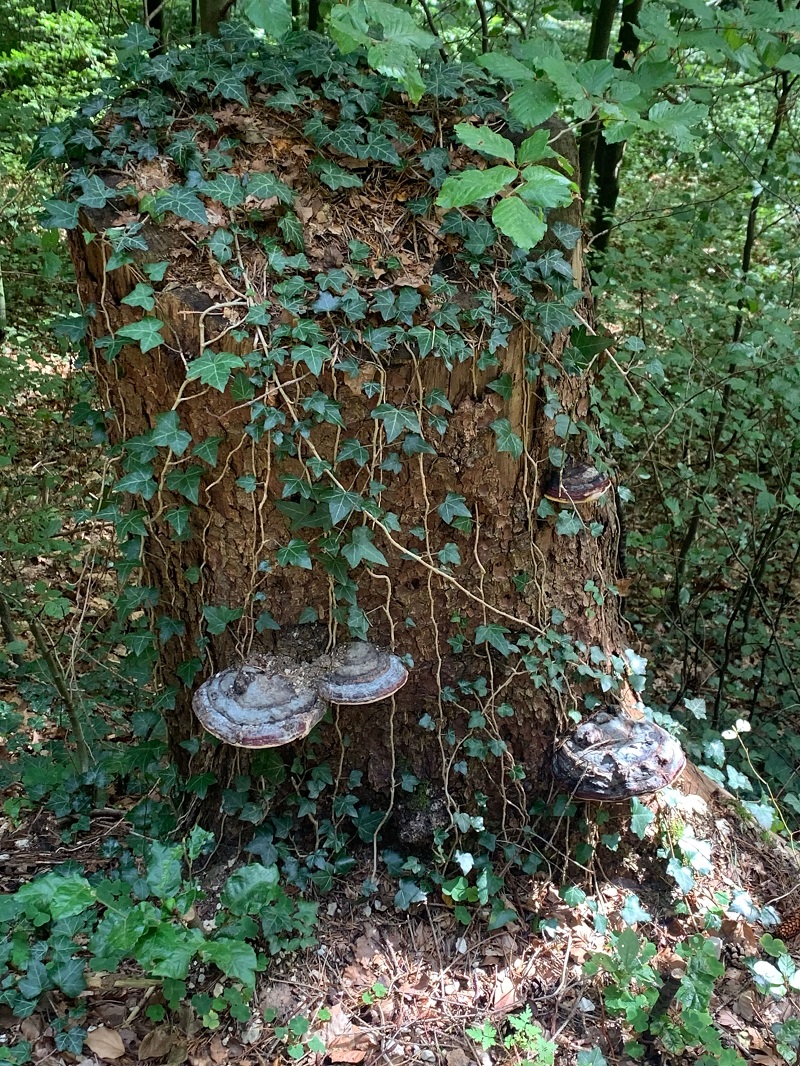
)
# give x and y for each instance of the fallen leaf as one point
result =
(505, 996)
(157, 1044)
(343, 1055)
(217, 1050)
(105, 1043)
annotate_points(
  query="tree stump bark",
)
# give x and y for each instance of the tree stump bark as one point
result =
(506, 620)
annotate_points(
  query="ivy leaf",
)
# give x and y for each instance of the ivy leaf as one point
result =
(207, 450)
(292, 230)
(469, 186)
(218, 618)
(495, 634)
(142, 296)
(225, 189)
(168, 434)
(145, 331)
(408, 894)
(361, 549)
(568, 524)
(483, 139)
(183, 203)
(523, 226)
(641, 817)
(139, 482)
(295, 553)
(185, 481)
(353, 449)
(342, 503)
(533, 103)
(334, 176)
(231, 87)
(507, 439)
(264, 186)
(214, 368)
(396, 420)
(453, 506)
(60, 215)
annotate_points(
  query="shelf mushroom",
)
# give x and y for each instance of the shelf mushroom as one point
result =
(575, 483)
(362, 673)
(260, 705)
(612, 757)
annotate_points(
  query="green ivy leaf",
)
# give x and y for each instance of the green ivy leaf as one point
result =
(295, 553)
(168, 434)
(334, 176)
(453, 506)
(207, 450)
(231, 87)
(469, 186)
(515, 220)
(142, 296)
(186, 481)
(183, 203)
(495, 634)
(214, 368)
(507, 439)
(225, 189)
(641, 817)
(264, 186)
(396, 420)
(568, 523)
(59, 214)
(361, 549)
(139, 482)
(218, 618)
(146, 331)
(342, 503)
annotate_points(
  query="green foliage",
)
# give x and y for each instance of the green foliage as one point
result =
(56, 926)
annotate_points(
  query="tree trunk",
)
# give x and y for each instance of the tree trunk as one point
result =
(599, 40)
(490, 700)
(212, 12)
(608, 157)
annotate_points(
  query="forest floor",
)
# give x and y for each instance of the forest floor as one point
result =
(382, 985)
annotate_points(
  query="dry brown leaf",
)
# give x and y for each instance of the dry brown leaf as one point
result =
(157, 1044)
(216, 1049)
(345, 1055)
(504, 997)
(105, 1043)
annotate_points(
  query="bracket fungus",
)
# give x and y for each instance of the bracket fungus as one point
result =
(362, 673)
(575, 483)
(262, 704)
(613, 757)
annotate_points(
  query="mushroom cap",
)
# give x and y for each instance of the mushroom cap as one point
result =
(258, 705)
(577, 482)
(612, 757)
(362, 673)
